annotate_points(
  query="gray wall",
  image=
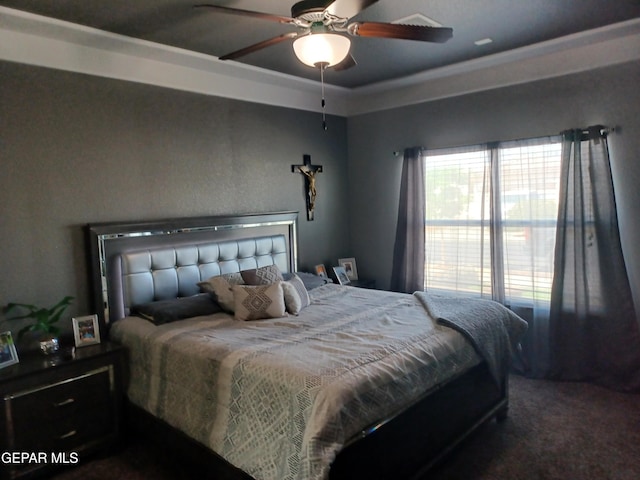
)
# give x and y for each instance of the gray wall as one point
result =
(76, 149)
(609, 96)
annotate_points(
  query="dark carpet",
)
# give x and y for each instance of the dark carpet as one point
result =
(554, 431)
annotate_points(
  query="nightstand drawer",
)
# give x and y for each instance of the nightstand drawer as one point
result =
(62, 414)
(60, 406)
(66, 434)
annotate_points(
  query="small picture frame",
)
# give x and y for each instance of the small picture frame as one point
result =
(341, 275)
(349, 265)
(321, 271)
(8, 353)
(86, 330)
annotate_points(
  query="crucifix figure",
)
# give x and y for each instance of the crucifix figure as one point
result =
(309, 171)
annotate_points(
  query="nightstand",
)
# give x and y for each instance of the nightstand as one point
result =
(54, 413)
(363, 283)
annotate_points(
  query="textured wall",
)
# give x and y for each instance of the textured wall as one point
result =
(76, 149)
(608, 96)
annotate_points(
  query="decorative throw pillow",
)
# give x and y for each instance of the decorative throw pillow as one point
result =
(165, 311)
(253, 302)
(219, 287)
(296, 296)
(234, 278)
(310, 280)
(262, 275)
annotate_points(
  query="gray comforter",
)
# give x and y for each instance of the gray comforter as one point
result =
(492, 329)
(279, 398)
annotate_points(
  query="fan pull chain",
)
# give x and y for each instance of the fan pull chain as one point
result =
(324, 120)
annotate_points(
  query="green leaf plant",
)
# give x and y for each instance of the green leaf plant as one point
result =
(45, 319)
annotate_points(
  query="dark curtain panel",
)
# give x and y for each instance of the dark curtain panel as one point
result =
(593, 326)
(408, 253)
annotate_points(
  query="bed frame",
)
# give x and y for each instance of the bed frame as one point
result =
(177, 253)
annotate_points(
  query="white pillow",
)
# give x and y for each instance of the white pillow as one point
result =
(296, 296)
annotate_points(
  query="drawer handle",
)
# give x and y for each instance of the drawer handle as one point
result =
(67, 435)
(65, 402)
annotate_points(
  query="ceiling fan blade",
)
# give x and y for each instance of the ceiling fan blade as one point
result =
(348, 8)
(348, 62)
(405, 32)
(247, 13)
(258, 46)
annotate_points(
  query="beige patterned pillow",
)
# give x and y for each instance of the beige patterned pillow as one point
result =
(219, 287)
(262, 275)
(253, 302)
(296, 296)
(234, 278)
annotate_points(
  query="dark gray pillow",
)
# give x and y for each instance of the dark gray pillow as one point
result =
(310, 280)
(165, 311)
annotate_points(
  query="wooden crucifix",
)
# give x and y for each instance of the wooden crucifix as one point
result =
(309, 171)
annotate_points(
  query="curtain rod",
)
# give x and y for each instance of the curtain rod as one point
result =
(397, 153)
(603, 131)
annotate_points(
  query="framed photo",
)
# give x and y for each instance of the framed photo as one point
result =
(8, 353)
(86, 330)
(321, 271)
(341, 275)
(349, 265)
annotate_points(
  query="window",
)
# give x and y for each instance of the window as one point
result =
(490, 219)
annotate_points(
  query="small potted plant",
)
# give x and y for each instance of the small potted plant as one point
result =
(45, 320)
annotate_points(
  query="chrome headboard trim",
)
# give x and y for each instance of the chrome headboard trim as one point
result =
(109, 240)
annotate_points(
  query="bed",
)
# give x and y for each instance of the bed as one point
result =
(336, 382)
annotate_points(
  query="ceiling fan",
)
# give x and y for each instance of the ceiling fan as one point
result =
(323, 29)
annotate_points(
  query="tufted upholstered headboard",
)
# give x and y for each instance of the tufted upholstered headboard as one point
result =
(141, 262)
(171, 272)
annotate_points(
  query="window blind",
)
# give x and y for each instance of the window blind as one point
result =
(491, 213)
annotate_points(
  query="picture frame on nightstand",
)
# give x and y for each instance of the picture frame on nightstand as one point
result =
(349, 265)
(8, 352)
(86, 330)
(341, 275)
(321, 271)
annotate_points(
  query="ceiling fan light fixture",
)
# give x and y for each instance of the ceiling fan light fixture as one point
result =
(327, 49)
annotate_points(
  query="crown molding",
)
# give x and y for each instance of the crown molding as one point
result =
(610, 45)
(46, 42)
